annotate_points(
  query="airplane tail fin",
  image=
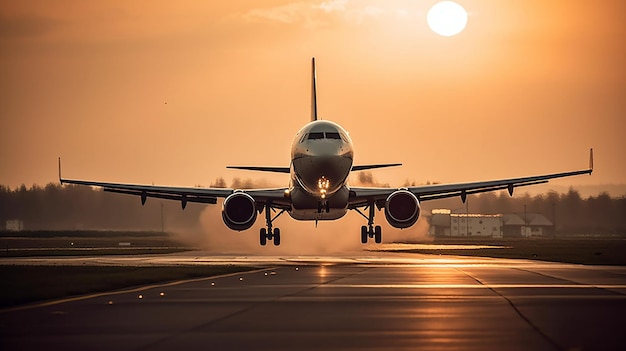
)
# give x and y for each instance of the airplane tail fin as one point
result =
(313, 91)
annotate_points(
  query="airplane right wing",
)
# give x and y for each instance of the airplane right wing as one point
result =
(183, 194)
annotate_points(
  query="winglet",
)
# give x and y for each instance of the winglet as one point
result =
(590, 160)
(313, 91)
(60, 178)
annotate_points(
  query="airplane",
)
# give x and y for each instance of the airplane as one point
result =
(321, 160)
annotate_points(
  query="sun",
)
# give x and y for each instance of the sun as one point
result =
(447, 18)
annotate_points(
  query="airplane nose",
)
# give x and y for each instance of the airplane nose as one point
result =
(323, 175)
(326, 149)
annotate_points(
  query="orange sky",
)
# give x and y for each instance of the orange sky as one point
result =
(171, 92)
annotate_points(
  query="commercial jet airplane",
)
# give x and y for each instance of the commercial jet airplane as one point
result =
(321, 161)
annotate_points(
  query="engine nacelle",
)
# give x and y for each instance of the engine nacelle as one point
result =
(239, 211)
(402, 209)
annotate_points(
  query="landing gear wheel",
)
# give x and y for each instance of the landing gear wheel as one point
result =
(276, 237)
(263, 236)
(364, 234)
(378, 234)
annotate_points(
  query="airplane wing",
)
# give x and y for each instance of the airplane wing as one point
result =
(362, 196)
(182, 194)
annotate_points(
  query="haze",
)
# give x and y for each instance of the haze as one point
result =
(170, 93)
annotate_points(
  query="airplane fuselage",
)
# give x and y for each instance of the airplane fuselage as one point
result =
(321, 161)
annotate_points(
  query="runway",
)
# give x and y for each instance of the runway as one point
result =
(368, 302)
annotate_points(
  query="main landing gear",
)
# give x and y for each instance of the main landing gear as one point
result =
(270, 233)
(370, 231)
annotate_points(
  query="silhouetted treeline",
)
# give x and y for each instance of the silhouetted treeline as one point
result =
(71, 207)
(56, 207)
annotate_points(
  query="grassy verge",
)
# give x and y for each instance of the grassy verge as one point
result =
(90, 252)
(575, 250)
(26, 284)
(83, 243)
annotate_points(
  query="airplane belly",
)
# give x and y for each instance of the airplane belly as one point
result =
(305, 207)
(313, 215)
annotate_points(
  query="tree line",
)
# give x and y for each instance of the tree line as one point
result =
(73, 207)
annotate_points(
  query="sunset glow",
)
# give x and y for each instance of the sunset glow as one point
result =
(171, 93)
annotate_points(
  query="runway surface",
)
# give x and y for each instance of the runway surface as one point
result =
(369, 302)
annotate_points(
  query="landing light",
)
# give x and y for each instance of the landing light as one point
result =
(323, 184)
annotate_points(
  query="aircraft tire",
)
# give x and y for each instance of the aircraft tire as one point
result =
(263, 236)
(364, 234)
(276, 237)
(378, 234)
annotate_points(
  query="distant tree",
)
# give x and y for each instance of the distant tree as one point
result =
(79, 207)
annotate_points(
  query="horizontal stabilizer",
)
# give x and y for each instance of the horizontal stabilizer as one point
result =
(384, 165)
(262, 169)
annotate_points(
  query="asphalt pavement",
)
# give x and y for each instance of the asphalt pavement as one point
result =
(369, 302)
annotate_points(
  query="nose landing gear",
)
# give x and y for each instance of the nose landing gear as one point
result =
(323, 206)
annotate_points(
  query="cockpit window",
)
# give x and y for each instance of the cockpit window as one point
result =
(323, 135)
(315, 136)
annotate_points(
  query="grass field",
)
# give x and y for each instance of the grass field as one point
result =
(26, 284)
(84, 243)
(592, 251)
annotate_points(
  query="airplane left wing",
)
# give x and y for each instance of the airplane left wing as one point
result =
(361, 196)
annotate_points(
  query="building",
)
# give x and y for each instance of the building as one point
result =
(444, 223)
(14, 225)
(526, 225)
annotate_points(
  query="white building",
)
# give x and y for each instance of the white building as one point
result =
(444, 223)
(14, 225)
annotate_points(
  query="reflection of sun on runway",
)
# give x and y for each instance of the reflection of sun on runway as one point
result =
(377, 301)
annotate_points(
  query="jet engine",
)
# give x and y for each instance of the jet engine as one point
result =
(402, 209)
(239, 211)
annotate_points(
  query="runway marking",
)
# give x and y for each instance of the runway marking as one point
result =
(476, 286)
(599, 286)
